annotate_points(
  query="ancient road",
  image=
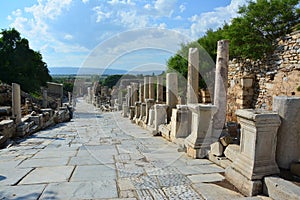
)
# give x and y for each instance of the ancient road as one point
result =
(104, 156)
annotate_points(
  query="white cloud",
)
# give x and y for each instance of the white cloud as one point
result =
(115, 2)
(100, 14)
(85, 1)
(165, 7)
(182, 8)
(147, 6)
(68, 37)
(214, 19)
(17, 13)
(9, 18)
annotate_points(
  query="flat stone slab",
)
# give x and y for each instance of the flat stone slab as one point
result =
(280, 189)
(201, 169)
(28, 192)
(44, 162)
(206, 178)
(81, 190)
(212, 191)
(94, 173)
(12, 176)
(48, 175)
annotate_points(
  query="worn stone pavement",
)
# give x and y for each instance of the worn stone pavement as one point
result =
(103, 156)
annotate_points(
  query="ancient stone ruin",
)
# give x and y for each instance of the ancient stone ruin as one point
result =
(251, 128)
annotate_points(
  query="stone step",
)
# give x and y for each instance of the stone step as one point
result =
(280, 189)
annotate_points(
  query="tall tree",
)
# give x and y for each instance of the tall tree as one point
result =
(20, 64)
(260, 23)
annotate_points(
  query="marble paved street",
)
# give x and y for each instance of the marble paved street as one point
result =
(104, 156)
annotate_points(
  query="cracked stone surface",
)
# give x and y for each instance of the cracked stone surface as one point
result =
(104, 156)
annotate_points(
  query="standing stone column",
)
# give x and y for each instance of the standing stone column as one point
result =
(151, 88)
(16, 102)
(146, 88)
(288, 137)
(160, 90)
(193, 76)
(129, 96)
(89, 100)
(221, 81)
(141, 93)
(172, 92)
(70, 97)
(134, 91)
(45, 98)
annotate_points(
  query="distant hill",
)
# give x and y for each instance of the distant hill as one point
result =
(99, 71)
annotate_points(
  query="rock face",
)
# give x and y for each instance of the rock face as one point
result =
(252, 84)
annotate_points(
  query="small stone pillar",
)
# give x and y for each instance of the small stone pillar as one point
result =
(141, 93)
(180, 122)
(137, 110)
(198, 142)
(151, 88)
(143, 112)
(45, 98)
(131, 112)
(134, 92)
(70, 98)
(16, 102)
(89, 100)
(124, 110)
(172, 93)
(129, 96)
(160, 116)
(146, 88)
(151, 117)
(288, 137)
(221, 81)
(258, 146)
(149, 104)
(193, 76)
(160, 90)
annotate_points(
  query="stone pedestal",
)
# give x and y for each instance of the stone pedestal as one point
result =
(198, 142)
(16, 102)
(151, 88)
(172, 92)
(131, 112)
(160, 90)
(221, 81)
(151, 117)
(288, 137)
(137, 110)
(143, 112)
(160, 115)
(180, 122)
(258, 146)
(125, 110)
(193, 76)
(149, 104)
(129, 96)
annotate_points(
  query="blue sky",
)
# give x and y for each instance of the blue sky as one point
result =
(70, 32)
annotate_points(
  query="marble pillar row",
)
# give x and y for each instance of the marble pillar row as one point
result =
(193, 76)
(160, 90)
(171, 93)
(146, 88)
(151, 88)
(221, 81)
(16, 102)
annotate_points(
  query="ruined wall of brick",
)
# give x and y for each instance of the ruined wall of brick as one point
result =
(252, 84)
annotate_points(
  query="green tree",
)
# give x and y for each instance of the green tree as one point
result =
(20, 64)
(253, 33)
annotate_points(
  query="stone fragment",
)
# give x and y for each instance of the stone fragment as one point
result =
(295, 169)
(216, 149)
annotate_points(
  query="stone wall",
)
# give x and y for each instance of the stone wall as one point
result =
(252, 84)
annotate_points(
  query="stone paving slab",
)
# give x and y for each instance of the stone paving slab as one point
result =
(81, 190)
(206, 178)
(48, 175)
(212, 191)
(26, 192)
(44, 162)
(94, 173)
(11, 176)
